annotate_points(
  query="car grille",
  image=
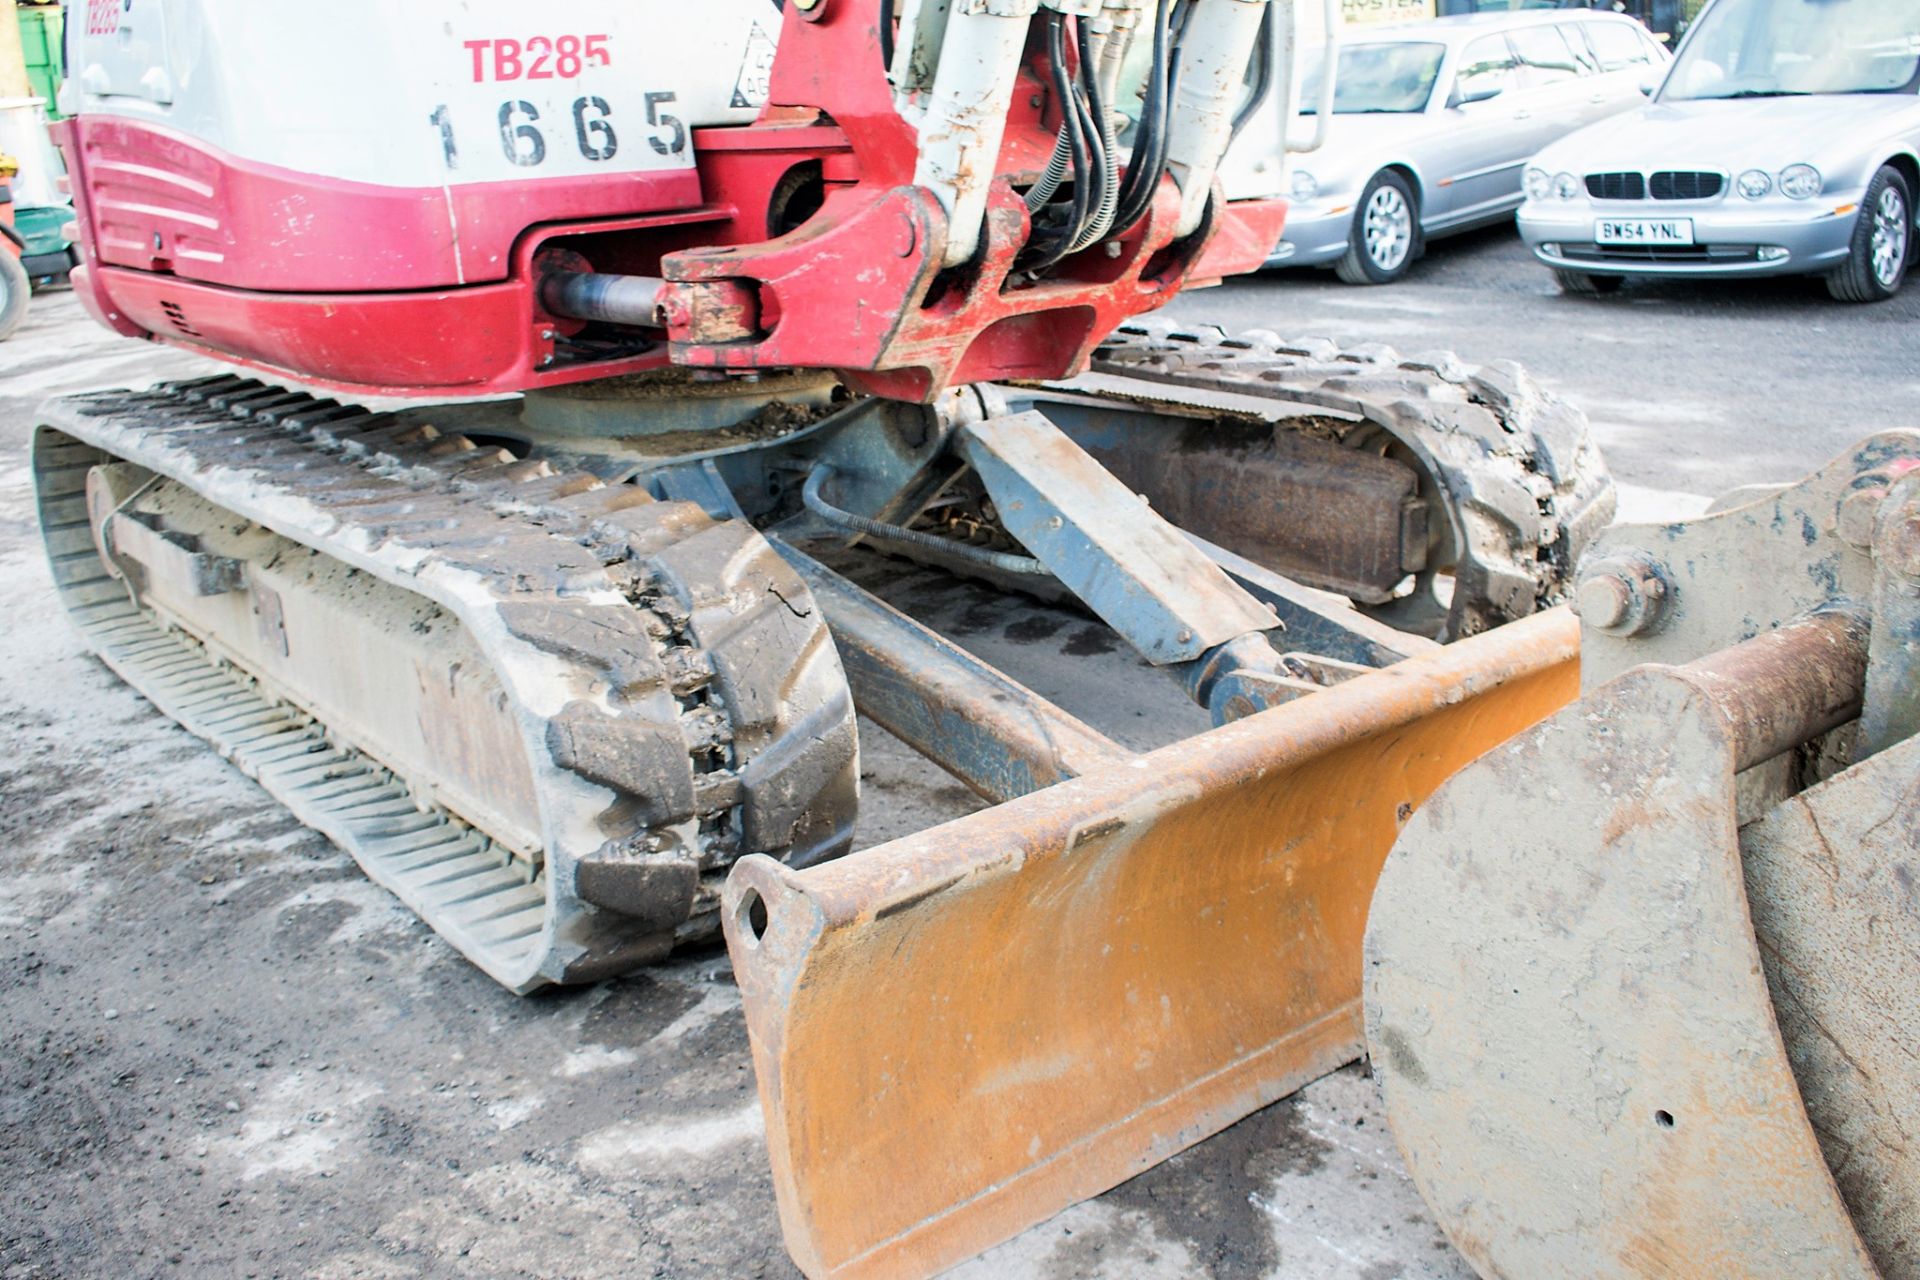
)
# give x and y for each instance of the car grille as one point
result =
(1661, 252)
(1668, 184)
(1686, 184)
(1617, 186)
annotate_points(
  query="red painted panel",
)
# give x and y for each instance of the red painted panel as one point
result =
(479, 340)
(1243, 242)
(160, 201)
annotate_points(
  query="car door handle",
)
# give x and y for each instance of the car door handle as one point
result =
(1598, 99)
(1523, 115)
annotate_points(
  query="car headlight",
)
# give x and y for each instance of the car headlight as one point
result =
(1539, 184)
(1304, 185)
(1566, 186)
(1755, 183)
(1801, 181)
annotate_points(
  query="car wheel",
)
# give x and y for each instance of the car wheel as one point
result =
(1386, 232)
(1882, 242)
(1587, 286)
(15, 289)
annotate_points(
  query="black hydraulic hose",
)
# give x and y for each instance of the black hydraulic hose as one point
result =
(1085, 142)
(1093, 181)
(1004, 561)
(1143, 173)
(886, 37)
(1108, 168)
(1053, 245)
(1150, 108)
(1163, 140)
(1174, 60)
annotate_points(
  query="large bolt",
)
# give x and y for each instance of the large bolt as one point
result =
(1860, 506)
(1622, 596)
(1899, 546)
(1854, 521)
(1603, 601)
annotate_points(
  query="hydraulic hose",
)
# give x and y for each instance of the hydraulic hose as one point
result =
(1148, 162)
(1054, 245)
(1109, 201)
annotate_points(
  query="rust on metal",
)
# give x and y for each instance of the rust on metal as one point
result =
(1787, 686)
(1831, 878)
(988, 730)
(1565, 1000)
(1343, 519)
(1057, 993)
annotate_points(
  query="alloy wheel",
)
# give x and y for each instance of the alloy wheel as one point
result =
(1389, 228)
(1890, 237)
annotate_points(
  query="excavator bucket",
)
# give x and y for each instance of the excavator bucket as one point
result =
(1640, 983)
(962, 1032)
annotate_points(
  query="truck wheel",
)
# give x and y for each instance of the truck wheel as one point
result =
(1386, 232)
(15, 289)
(1587, 286)
(1882, 242)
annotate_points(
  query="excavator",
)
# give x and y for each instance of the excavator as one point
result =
(669, 313)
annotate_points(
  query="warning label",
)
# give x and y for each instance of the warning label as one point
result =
(756, 70)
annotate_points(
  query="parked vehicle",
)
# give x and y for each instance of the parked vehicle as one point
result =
(16, 287)
(1667, 19)
(34, 212)
(1433, 123)
(1784, 141)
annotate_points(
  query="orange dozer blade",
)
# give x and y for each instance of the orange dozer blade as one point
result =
(960, 1033)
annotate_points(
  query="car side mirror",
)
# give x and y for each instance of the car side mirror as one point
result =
(1482, 93)
(1651, 81)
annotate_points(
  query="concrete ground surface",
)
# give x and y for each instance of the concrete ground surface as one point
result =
(224, 1053)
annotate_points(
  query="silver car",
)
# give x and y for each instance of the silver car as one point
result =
(1433, 123)
(1785, 140)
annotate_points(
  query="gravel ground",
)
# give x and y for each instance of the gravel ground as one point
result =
(222, 1052)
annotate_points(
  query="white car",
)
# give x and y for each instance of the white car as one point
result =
(1785, 141)
(1433, 123)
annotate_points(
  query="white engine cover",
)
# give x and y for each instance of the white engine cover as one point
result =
(414, 94)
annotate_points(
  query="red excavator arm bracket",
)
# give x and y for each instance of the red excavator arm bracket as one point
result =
(860, 287)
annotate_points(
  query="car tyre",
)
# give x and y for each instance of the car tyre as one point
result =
(1386, 232)
(15, 289)
(1586, 285)
(1882, 242)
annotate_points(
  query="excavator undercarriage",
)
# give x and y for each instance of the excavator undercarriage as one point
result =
(549, 688)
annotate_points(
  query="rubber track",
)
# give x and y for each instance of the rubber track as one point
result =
(1523, 481)
(694, 707)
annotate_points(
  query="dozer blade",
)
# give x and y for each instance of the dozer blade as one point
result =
(1617, 1033)
(962, 1032)
(545, 712)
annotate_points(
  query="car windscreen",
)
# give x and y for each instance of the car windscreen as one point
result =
(1386, 77)
(1785, 48)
